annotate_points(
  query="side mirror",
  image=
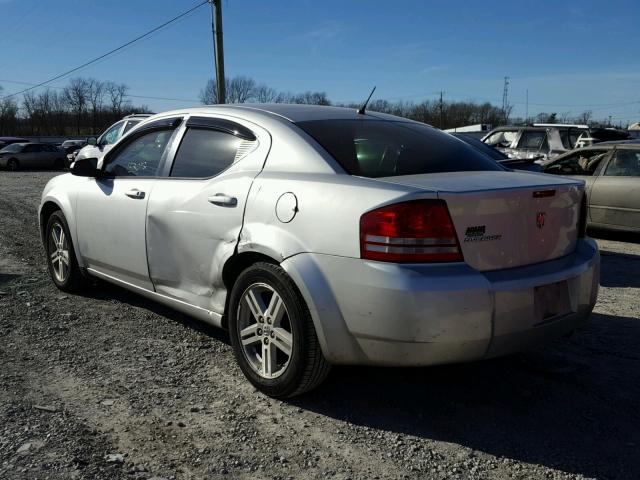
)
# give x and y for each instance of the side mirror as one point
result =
(85, 167)
(91, 140)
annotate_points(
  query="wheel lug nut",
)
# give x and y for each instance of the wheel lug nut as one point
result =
(269, 320)
(273, 335)
(266, 341)
(259, 331)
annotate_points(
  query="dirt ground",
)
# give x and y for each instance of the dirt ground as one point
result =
(106, 385)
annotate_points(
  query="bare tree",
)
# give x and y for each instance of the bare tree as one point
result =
(265, 94)
(95, 93)
(76, 95)
(209, 94)
(585, 117)
(240, 89)
(116, 93)
(8, 115)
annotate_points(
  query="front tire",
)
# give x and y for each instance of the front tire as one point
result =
(272, 333)
(61, 258)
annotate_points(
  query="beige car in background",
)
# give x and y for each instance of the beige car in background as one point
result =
(611, 171)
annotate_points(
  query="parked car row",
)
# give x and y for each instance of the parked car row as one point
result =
(542, 142)
(48, 155)
(32, 155)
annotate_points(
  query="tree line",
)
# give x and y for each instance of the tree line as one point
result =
(85, 106)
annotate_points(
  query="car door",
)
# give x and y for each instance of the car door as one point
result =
(30, 156)
(615, 196)
(195, 213)
(111, 210)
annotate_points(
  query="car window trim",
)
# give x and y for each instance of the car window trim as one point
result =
(222, 125)
(170, 123)
(211, 124)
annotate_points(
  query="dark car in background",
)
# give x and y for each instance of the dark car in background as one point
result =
(611, 171)
(513, 163)
(31, 155)
(70, 146)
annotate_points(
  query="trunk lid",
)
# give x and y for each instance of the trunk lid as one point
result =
(507, 219)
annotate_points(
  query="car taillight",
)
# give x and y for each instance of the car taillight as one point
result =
(582, 220)
(415, 231)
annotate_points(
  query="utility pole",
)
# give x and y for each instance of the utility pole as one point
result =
(441, 111)
(505, 99)
(527, 115)
(218, 60)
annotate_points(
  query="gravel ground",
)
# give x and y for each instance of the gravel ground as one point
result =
(107, 385)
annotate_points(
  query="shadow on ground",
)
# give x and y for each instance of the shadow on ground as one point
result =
(550, 407)
(106, 291)
(627, 237)
(619, 269)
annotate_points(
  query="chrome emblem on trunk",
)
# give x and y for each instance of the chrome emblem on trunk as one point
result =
(540, 219)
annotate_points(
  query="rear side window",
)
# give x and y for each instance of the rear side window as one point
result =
(204, 153)
(625, 163)
(372, 148)
(534, 141)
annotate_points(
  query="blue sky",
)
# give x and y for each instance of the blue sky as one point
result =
(570, 55)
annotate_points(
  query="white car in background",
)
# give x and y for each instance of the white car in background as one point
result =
(97, 148)
(322, 235)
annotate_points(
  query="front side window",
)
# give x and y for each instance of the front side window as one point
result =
(378, 148)
(583, 162)
(111, 135)
(625, 163)
(204, 153)
(130, 124)
(141, 157)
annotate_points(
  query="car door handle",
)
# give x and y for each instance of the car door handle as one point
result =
(223, 200)
(135, 193)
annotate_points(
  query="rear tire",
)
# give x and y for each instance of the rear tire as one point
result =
(272, 333)
(13, 165)
(61, 257)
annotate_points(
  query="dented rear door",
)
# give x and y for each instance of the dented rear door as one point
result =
(195, 214)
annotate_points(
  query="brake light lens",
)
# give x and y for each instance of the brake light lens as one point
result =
(410, 232)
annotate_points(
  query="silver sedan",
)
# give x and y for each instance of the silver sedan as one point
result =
(322, 235)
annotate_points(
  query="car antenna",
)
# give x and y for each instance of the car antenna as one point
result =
(364, 105)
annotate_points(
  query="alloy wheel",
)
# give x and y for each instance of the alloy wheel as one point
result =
(59, 252)
(265, 330)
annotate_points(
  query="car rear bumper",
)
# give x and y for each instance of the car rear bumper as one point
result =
(388, 314)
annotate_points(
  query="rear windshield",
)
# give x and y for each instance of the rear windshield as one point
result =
(372, 148)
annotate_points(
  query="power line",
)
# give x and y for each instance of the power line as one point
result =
(86, 64)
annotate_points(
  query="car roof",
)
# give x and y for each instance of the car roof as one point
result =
(515, 127)
(292, 112)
